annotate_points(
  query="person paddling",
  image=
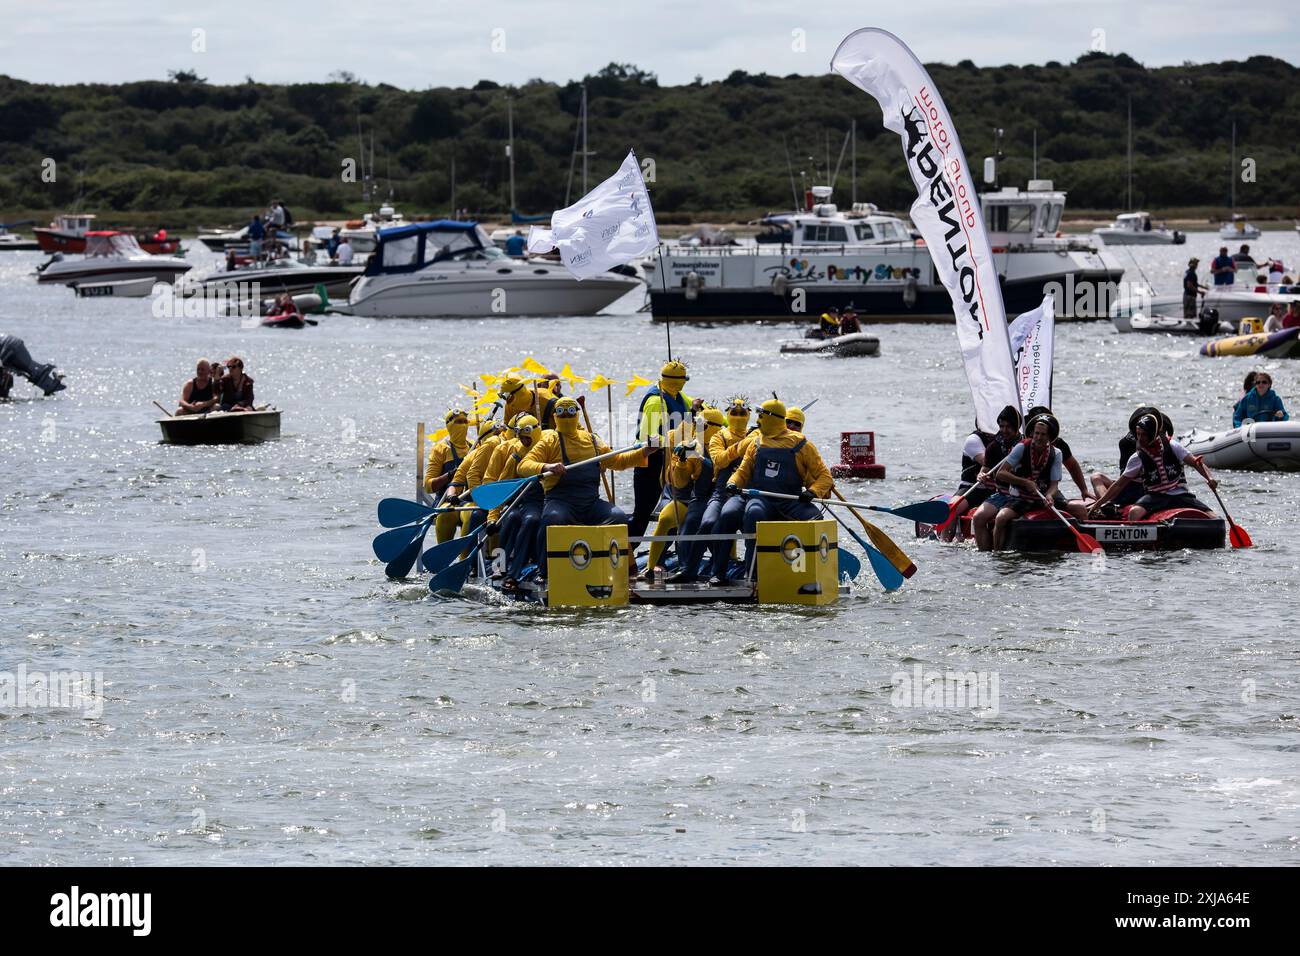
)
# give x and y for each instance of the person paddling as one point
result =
(981, 454)
(1127, 446)
(1158, 466)
(1033, 472)
(198, 396)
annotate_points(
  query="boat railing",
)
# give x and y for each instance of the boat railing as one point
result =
(790, 249)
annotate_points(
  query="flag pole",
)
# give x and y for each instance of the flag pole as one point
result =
(668, 318)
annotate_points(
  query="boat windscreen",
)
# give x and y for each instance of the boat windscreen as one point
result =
(112, 244)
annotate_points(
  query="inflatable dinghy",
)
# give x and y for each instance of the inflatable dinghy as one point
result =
(1259, 446)
(1283, 344)
(855, 343)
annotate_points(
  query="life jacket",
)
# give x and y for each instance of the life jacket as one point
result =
(674, 407)
(1163, 474)
(994, 451)
(777, 469)
(579, 489)
(1037, 470)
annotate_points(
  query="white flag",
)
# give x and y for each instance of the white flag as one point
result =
(610, 225)
(1031, 336)
(946, 211)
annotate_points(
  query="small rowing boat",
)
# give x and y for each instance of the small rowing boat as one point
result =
(222, 428)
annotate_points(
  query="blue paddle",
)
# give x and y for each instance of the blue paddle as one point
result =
(926, 512)
(493, 494)
(453, 577)
(441, 555)
(891, 579)
(395, 512)
(401, 565)
(389, 544)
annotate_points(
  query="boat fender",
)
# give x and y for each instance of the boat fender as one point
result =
(693, 284)
(780, 285)
(910, 293)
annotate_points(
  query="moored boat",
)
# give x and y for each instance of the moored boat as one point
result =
(1208, 324)
(1259, 446)
(855, 343)
(1135, 229)
(68, 234)
(121, 288)
(111, 257)
(221, 428)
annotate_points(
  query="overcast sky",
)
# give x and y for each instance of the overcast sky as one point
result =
(416, 44)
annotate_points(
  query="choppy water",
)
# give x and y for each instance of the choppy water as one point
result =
(269, 697)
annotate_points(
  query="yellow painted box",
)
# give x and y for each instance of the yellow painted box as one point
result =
(587, 566)
(798, 562)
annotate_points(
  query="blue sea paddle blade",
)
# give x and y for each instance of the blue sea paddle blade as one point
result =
(389, 544)
(497, 493)
(891, 579)
(849, 563)
(453, 577)
(401, 565)
(441, 555)
(395, 512)
(926, 512)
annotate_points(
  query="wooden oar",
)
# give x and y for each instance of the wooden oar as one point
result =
(163, 410)
(493, 494)
(896, 556)
(1236, 533)
(1086, 542)
(926, 512)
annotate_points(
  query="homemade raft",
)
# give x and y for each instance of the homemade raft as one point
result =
(1170, 530)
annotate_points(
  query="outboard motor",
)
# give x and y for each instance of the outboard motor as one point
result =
(1209, 322)
(14, 355)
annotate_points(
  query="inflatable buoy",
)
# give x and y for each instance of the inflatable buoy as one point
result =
(1283, 344)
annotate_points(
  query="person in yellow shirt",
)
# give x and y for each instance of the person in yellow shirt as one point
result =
(691, 476)
(518, 530)
(469, 475)
(573, 497)
(688, 446)
(780, 461)
(726, 449)
(519, 398)
(444, 458)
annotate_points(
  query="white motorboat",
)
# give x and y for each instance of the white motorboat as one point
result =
(13, 242)
(218, 239)
(1239, 228)
(277, 276)
(1136, 229)
(830, 259)
(364, 235)
(1207, 324)
(452, 269)
(121, 289)
(1258, 446)
(1232, 306)
(110, 257)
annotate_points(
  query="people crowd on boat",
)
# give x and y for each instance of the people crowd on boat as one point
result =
(699, 470)
(217, 386)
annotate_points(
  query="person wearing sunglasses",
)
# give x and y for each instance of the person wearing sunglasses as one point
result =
(236, 388)
(780, 461)
(517, 530)
(444, 458)
(1260, 404)
(573, 497)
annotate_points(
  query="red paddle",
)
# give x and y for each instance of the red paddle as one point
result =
(1236, 533)
(952, 513)
(1086, 542)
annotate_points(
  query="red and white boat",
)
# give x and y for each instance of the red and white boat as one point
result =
(110, 257)
(67, 233)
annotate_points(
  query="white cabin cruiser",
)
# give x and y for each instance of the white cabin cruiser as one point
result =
(448, 268)
(1239, 228)
(1136, 313)
(111, 257)
(1136, 229)
(874, 264)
